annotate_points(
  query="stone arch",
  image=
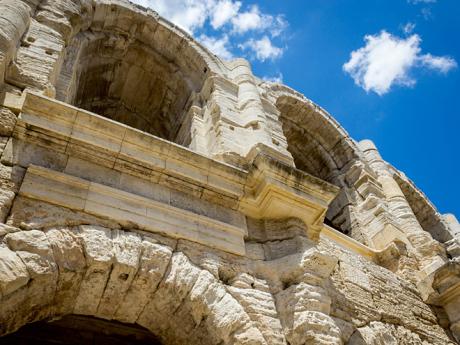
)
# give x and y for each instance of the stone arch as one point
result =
(318, 144)
(320, 147)
(116, 275)
(118, 60)
(426, 213)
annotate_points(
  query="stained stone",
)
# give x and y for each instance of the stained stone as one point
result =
(145, 182)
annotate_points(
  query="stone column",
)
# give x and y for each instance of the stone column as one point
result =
(252, 116)
(14, 21)
(249, 102)
(425, 248)
(453, 227)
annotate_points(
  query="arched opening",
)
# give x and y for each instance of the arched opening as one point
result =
(77, 329)
(319, 147)
(135, 69)
(131, 83)
(425, 212)
(138, 87)
(119, 276)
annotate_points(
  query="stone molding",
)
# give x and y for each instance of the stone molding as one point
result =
(268, 189)
(130, 209)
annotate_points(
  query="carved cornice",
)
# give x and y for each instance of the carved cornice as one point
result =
(130, 209)
(269, 188)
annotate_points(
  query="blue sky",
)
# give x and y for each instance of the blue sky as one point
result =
(401, 87)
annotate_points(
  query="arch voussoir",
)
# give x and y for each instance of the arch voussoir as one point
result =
(114, 274)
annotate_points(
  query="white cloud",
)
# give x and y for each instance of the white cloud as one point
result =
(274, 79)
(219, 46)
(222, 25)
(223, 11)
(426, 13)
(188, 14)
(387, 60)
(250, 20)
(408, 28)
(421, 1)
(441, 63)
(262, 48)
(256, 20)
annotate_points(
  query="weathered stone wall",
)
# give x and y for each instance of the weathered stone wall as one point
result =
(187, 293)
(219, 237)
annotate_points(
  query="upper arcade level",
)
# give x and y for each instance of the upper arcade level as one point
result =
(116, 85)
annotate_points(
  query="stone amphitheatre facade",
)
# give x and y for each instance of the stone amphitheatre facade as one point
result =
(153, 193)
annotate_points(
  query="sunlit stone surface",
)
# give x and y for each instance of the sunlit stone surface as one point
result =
(153, 193)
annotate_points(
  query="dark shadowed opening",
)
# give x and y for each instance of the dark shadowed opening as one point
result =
(319, 148)
(130, 82)
(76, 329)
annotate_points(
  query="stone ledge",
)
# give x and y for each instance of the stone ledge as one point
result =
(269, 189)
(348, 243)
(79, 133)
(129, 209)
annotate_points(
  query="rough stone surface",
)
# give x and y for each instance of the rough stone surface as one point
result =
(311, 237)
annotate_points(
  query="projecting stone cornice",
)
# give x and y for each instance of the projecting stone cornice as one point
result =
(276, 190)
(269, 188)
(129, 209)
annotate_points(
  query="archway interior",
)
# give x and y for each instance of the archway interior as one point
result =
(311, 144)
(76, 329)
(310, 151)
(130, 82)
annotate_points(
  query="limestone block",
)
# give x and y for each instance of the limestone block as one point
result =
(13, 273)
(3, 142)
(39, 267)
(381, 333)
(205, 293)
(255, 251)
(302, 297)
(171, 292)
(314, 328)
(13, 22)
(6, 229)
(152, 266)
(319, 262)
(103, 201)
(453, 225)
(18, 152)
(10, 179)
(35, 252)
(455, 328)
(181, 279)
(247, 282)
(36, 63)
(260, 306)
(97, 243)
(355, 276)
(33, 214)
(93, 172)
(249, 336)
(276, 249)
(127, 250)
(65, 16)
(7, 121)
(33, 241)
(346, 329)
(6, 199)
(67, 248)
(70, 258)
(229, 316)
